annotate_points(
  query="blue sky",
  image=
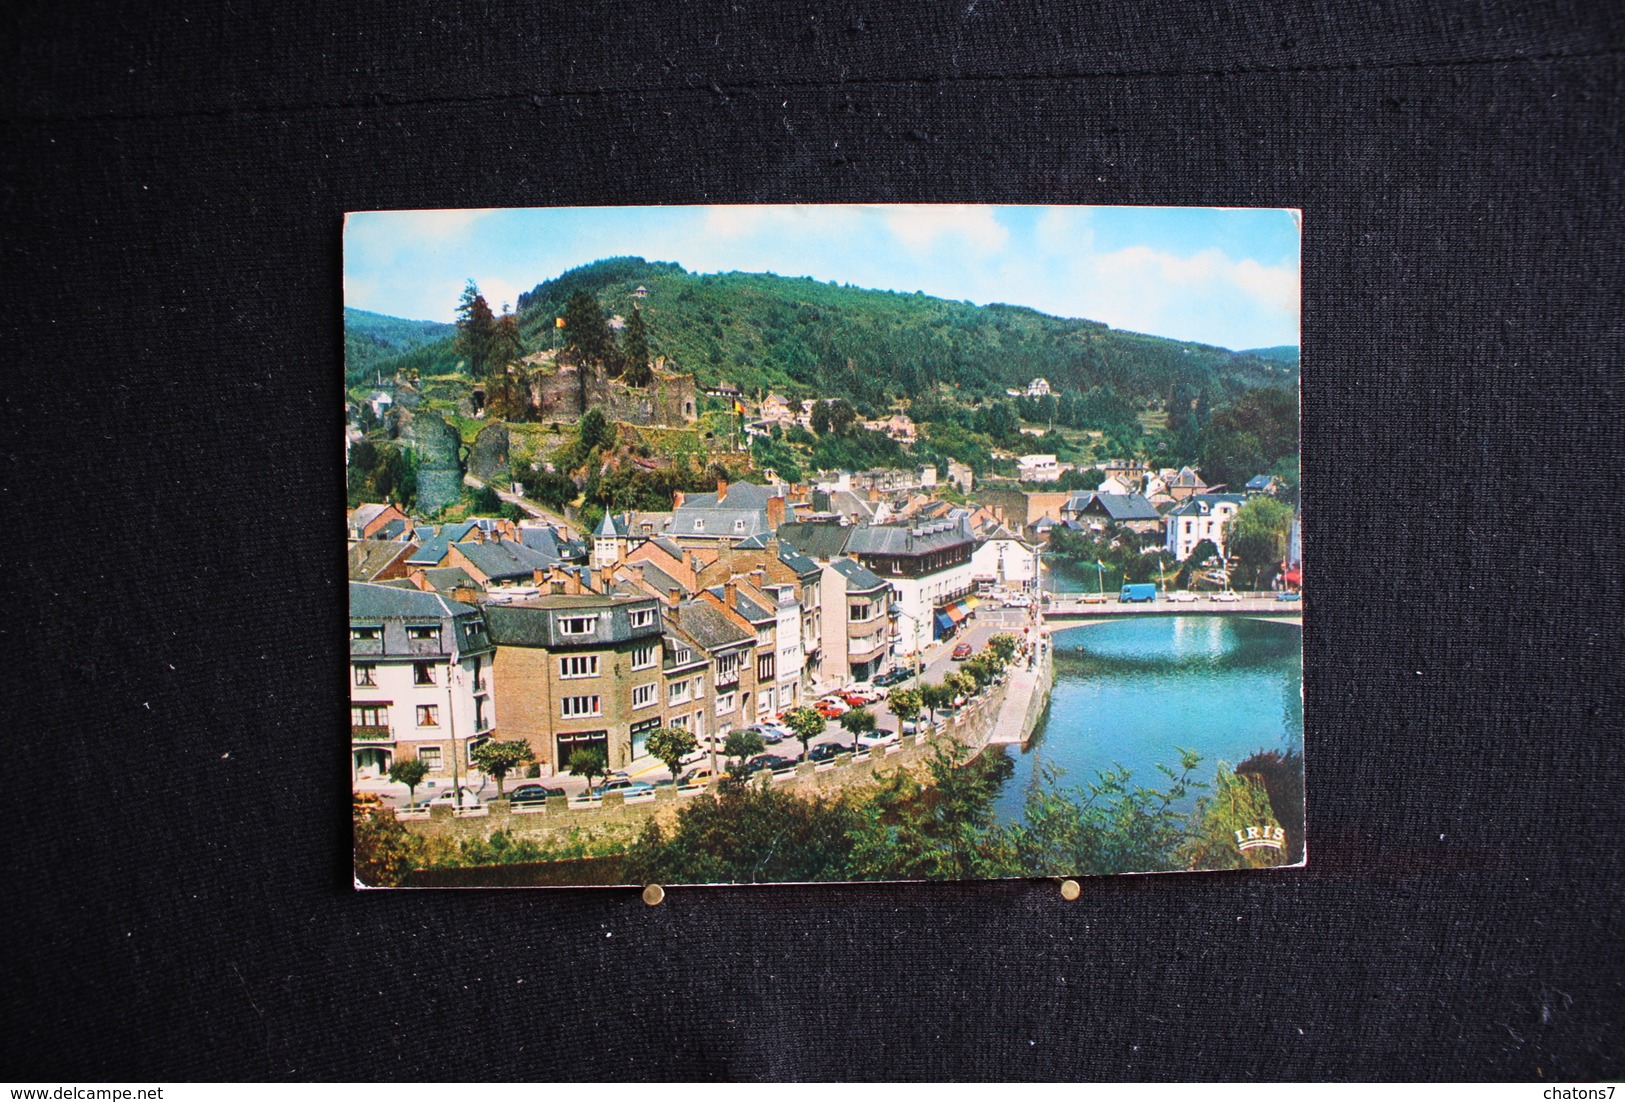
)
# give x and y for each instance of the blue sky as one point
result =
(1218, 276)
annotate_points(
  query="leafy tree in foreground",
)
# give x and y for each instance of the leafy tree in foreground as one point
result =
(1237, 810)
(410, 772)
(807, 724)
(671, 745)
(385, 854)
(943, 829)
(1256, 536)
(500, 758)
(936, 697)
(1004, 645)
(589, 762)
(905, 704)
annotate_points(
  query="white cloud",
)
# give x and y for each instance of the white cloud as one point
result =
(923, 227)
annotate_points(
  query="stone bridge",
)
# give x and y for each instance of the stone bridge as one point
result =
(1066, 610)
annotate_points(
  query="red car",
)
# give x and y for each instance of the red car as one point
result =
(961, 652)
(829, 709)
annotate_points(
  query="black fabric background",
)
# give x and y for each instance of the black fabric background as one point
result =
(175, 848)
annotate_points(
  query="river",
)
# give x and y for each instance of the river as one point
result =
(1130, 691)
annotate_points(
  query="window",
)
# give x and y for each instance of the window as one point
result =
(358, 635)
(572, 706)
(428, 715)
(679, 723)
(643, 696)
(364, 675)
(725, 703)
(677, 693)
(645, 656)
(765, 667)
(1187, 527)
(577, 625)
(419, 634)
(699, 524)
(368, 715)
(430, 756)
(578, 665)
(642, 617)
(699, 688)
(727, 669)
(681, 655)
(423, 673)
(739, 525)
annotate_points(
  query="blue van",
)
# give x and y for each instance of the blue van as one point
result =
(1143, 591)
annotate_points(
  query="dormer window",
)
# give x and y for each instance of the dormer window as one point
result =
(577, 625)
(699, 524)
(739, 525)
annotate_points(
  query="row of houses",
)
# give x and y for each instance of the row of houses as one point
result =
(731, 609)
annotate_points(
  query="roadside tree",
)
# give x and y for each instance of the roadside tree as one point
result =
(500, 758)
(588, 762)
(671, 745)
(1004, 645)
(741, 746)
(905, 704)
(859, 721)
(807, 725)
(410, 772)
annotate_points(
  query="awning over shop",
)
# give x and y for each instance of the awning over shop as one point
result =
(944, 622)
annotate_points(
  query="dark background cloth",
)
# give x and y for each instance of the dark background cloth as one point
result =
(179, 905)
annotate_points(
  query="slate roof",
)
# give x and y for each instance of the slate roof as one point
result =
(1122, 507)
(382, 602)
(709, 626)
(445, 578)
(365, 515)
(658, 578)
(544, 541)
(370, 558)
(742, 512)
(757, 542)
(503, 560)
(611, 526)
(743, 605)
(1259, 482)
(434, 549)
(1202, 504)
(903, 539)
(1187, 478)
(859, 578)
(818, 541)
(795, 560)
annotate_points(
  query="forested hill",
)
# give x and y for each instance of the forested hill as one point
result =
(805, 338)
(370, 339)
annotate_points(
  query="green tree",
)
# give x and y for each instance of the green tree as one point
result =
(962, 683)
(635, 351)
(941, 830)
(485, 502)
(1238, 810)
(410, 772)
(1004, 645)
(671, 745)
(807, 724)
(936, 697)
(741, 745)
(595, 431)
(589, 762)
(1256, 537)
(476, 332)
(858, 722)
(385, 854)
(905, 704)
(500, 758)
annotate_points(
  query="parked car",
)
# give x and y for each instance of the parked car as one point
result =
(700, 775)
(826, 751)
(1226, 595)
(448, 798)
(1183, 596)
(1289, 595)
(962, 652)
(859, 697)
(771, 733)
(533, 793)
(1094, 598)
(877, 738)
(1018, 600)
(830, 707)
(893, 677)
(768, 761)
(626, 787)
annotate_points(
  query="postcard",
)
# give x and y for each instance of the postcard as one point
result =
(795, 544)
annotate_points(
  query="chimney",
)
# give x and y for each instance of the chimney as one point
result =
(722, 489)
(758, 577)
(775, 512)
(466, 594)
(421, 580)
(536, 577)
(730, 593)
(674, 597)
(479, 534)
(677, 499)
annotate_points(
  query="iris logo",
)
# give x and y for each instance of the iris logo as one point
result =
(1261, 837)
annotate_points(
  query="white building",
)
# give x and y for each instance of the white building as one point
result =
(420, 682)
(1037, 468)
(1038, 388)
(1200, 517)
(1004, 560)
(928, 567)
